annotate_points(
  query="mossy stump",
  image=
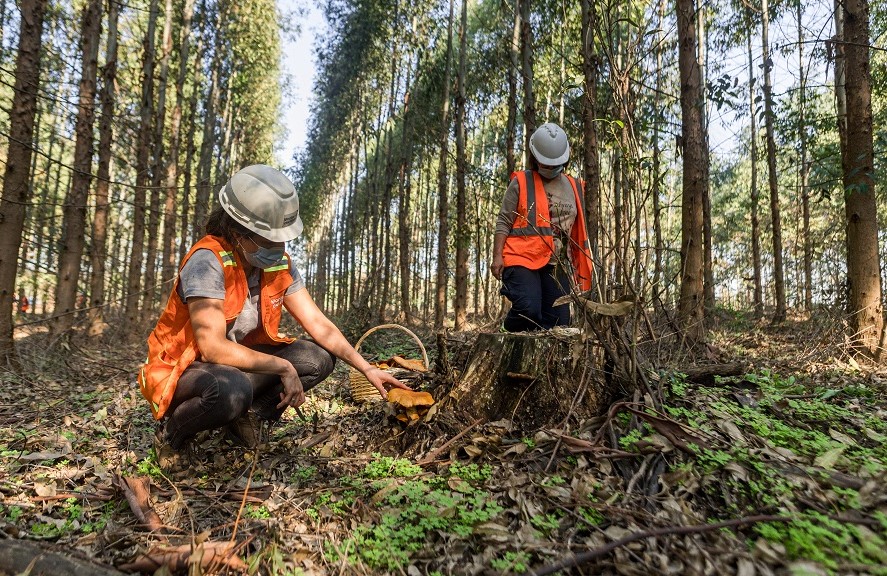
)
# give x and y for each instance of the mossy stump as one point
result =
(533, 379)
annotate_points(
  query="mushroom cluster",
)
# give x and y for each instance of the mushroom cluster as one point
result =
(409, 405)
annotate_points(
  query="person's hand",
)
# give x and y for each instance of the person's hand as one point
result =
(293, 394)
(497, 266)
(379, 378)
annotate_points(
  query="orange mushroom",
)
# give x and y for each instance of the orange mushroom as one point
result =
(411, 402)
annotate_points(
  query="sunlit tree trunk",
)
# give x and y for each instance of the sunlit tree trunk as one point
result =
(526, 48)
(143, 150)
(804, 166)
(511, 119)
(755, 196)
(690, 306)
(776, 218)
(207, 144)
(863, 263)
(590, 158)
(657, 169)
(708, 284)
(99, 253)
(462, 236)
(74, 219)
(169, 258)
(158, 173)
(440, 304)
(16, 189)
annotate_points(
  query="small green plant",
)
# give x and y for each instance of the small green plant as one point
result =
(530, 443)
(512, 562)
(471, 473)
(148, 467)
(388, 467)
(257, 512)
(628, 441)
(13, 513)
(303, 474)
(545, 523)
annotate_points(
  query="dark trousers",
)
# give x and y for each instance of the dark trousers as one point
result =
(212, 395)
(532, 293)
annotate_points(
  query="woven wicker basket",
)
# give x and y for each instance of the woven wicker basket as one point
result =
(361, 388)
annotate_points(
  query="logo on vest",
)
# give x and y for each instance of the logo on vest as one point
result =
(276, 302)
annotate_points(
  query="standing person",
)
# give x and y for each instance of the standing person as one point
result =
(541, 240)
(216, 357)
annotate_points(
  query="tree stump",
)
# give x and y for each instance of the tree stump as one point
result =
(534, 379)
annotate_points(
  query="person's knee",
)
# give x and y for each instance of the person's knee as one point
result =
(321, 363)
(235, 392)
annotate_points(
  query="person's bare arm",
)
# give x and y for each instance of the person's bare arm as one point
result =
(208, 323)
(326, 334)
(498, 262)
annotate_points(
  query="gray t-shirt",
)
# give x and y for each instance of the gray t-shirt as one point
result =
(561, 207)
(202, 277)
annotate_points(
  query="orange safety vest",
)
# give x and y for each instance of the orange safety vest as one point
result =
(171, 346)
(531, 245)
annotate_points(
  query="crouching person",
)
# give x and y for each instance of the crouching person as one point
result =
(216, 358)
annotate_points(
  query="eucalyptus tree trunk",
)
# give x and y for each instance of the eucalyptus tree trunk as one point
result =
(207, 144)
(405, 193)
(157, 167)
(778, 268)
(462, 236)
(74, 210)
(440, 300)
(16, 189)
(804, 166)
(136, 259)
(99, 253)
(708, 284)
(526, 48)
(657, 175)
(169, 260)
(863, 263)
(511, 119)
(755, 196)
(690, 305)
(590, 159)
(191, 147)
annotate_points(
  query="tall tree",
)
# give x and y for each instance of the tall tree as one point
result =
(462, 236)
(863, 264)
(99, 252)
(440, 307)
(758, 294)
(526, 48)
(803, 163)
(772, 179)
(74, 220)
(16, 188)
(590, 157)
(695, 174)
(135, 278)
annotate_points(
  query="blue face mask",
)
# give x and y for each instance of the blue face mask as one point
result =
(550, 173)
(263, 257)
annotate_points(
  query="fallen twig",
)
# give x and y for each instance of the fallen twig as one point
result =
(179, 557)
(584, 557)
(437, 451)
(135, 489)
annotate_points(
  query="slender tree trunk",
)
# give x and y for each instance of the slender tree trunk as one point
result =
(690, 306)
(863, 262)
(169, 260)
(158, 172)
(511, 119)
(755, 196)
(99, 252)
(405, 194)
(440, 304)
(526, 49)
(591, 158)
(804, 166)
(778, 268)
(74, 219)
(143, 150)
(657, 170)
(204, 164)
(463, 236)
(16, 190)
(708, 284)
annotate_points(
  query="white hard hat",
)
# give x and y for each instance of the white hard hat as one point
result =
(549, 145)
(265, 201)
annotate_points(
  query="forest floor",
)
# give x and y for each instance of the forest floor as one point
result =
(780, 471)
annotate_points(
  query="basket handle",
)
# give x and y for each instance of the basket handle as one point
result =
(398, 326)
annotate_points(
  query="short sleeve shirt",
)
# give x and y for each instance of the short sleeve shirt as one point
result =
(203, 277)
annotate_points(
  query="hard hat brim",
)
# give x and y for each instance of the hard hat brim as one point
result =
(562, 159)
